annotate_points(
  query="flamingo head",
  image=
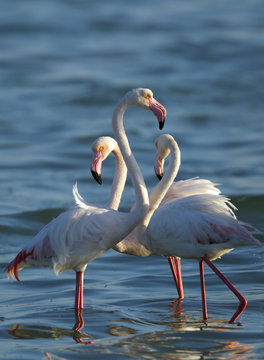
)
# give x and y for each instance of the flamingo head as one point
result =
(101, 147)
(163, 150)
(144, 99)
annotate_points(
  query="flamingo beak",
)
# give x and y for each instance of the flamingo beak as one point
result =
(159, 176)
(158, 167)
(158, 110)
(97, 177)
(96, 166)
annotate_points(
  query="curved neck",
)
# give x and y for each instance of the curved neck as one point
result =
(142, 200)
(119, 180)
(160, 190)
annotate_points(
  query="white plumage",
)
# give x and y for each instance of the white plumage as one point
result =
(196, 225)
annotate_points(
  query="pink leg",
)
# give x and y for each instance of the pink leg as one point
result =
(177, 261)
(176, 275)
(203, 291)
(79, 290)
(242, 301)
(173, 270)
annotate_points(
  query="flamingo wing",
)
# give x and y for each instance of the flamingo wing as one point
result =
(195, 225)
(72, 240)
(194, 186)
(80, 235)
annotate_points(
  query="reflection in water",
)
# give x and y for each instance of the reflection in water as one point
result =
(120, 330)
(176, 307)
(53, 357)
(79, 324)
(181, 319)
(37, 332)
(230, 350)
(177, 310)
(181, 338)
(172, 345)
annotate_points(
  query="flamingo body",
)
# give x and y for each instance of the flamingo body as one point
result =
(199, 226)
(73, 239)
(182, 189)
(193, 226)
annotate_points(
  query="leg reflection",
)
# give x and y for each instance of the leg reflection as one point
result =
(79, 324)
(177, 310)
(176, 307)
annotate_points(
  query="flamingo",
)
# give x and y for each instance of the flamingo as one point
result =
(198, 226)
(81, 234)
(102, 147)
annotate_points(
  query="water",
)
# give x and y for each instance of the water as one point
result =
(64, 66)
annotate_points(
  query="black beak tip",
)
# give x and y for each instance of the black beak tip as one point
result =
(97, 177)
(161, 124)
(159, 176)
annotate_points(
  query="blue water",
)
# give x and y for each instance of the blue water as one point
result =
(63, 67)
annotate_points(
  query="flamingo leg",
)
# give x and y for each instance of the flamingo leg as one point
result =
(177, 261)
(79, 290)
(173, 270)
(242, 300)
(176, 273)
(205, 317)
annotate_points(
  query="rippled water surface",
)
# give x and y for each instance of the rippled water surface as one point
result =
(63, 67)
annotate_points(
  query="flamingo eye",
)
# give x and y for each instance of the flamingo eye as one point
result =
(148, 96)
(100, 149)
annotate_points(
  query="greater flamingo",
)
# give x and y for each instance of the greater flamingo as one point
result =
(79, 235)
(101, 149)
(200, 225)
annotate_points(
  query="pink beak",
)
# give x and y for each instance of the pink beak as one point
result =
(158, 167)
(96, 166)
(158, 110)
